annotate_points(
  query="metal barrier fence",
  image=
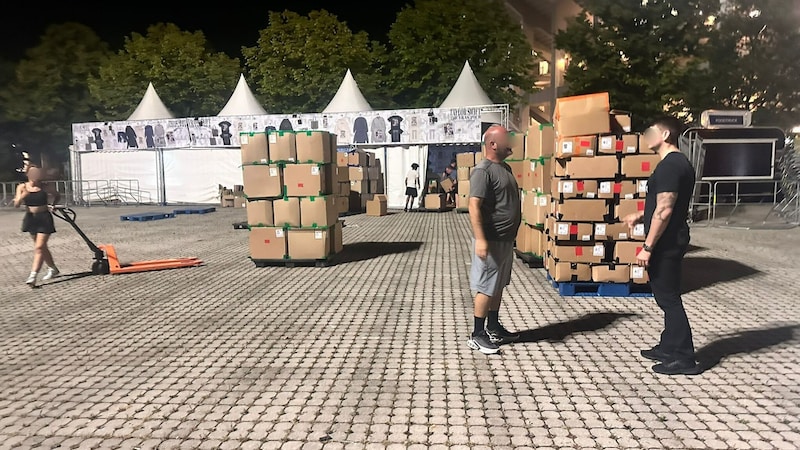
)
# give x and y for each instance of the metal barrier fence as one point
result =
(784, 209)
(88, 192)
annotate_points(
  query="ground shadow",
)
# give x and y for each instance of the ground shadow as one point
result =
(69, 277)
(703, 271)
(742, 342)
(557, 332)
(363, 251)
(695, 248)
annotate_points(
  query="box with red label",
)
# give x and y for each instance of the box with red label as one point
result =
(267, 243)
(568, 147)
(569, 231)
(307, 180)
(574, 188)
(612, 232)
(638, 166)
(618, 189)
(581, 253)
(536, 175)
(518, 167)
(611, 144)
(628, 206)
(625, 251)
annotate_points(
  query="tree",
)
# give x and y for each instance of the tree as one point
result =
(755, 60)
(299, 61)
(49, 91)
(190, 78)
(430, 41)
(645, 54)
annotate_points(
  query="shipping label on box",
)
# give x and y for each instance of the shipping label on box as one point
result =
(572, 231)
(611, 231)
(575, 188)
(639, 275)
(568, 147)
(618, 189)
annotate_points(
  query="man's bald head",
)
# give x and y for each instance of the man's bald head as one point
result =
(496, 143)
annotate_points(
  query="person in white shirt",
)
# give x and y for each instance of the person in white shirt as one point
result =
(412, 186)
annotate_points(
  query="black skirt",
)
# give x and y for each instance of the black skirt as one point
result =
(41, 222)
(410, 191)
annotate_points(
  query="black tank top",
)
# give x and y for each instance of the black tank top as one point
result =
(38, 198)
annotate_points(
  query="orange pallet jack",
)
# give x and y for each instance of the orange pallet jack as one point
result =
(105, 256)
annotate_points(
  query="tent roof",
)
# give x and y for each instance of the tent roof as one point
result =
(151, 107)
(466, 91)
(348, 98)
(242, 101)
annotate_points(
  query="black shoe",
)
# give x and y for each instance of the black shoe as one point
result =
(481, 342)
(656, 354)
(499, 335)
(677, 367)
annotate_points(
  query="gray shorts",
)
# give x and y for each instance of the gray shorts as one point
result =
(489, 276)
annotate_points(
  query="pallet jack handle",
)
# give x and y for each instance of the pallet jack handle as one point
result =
(68, 215)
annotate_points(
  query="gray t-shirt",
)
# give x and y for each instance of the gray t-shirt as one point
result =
(501, 210)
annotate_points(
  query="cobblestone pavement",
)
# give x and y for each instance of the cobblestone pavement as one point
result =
(371, 353)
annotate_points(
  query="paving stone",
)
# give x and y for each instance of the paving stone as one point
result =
(228, 355)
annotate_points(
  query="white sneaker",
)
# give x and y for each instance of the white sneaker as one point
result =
(52, 272)
(31, 281)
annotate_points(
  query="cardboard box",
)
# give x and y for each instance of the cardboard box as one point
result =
(359, 186)
(639, 166)
(435, 201)
(254, 148)
(627, 144)
(578, 253)
(625, 251)
(535, 207)
(611, 273)
(377, 207)
(313, 147)
(639, 275)
(620, 122)
(463, 187)
(357, 158)
(463, 173)
(342, 158)
(531, 239)
(537, 175)
(337, 244)
(259, 213)
(571, 231)
(306, 244)
(262, 181)
(540, 141)
(287, 212)
(581, 210)
(267, 243)
(582, 115)
(306, 180)
(618, 189)
(357, 173)
(567, 272)
(447, 184)
(611, 232)
(517, 143)
(518, 169)
(569, 147)
(282, 146)
(342, 174)
(599, 167)
(564, 189)
(465, 159)
(318, 212)
(462, 201)
(628, 206)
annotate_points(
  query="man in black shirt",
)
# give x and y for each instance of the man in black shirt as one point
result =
(669, 191)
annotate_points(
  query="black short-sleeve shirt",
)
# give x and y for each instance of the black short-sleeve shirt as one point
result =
(673, 174)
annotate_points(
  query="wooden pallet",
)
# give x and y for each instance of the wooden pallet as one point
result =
(240, 226)
(148, 216)
(325, 262)
(593, 289)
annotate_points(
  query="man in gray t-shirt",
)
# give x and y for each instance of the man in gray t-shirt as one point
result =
(495, 213)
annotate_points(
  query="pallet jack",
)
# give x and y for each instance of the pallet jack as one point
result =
(105, 256)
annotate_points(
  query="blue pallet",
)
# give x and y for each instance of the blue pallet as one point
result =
(593, 289)
(195, 210)
(143, 217)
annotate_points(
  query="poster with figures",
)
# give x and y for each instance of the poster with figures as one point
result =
(368, 128)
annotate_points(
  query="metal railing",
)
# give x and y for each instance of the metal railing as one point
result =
(88, 192)
(785, 208)
(702, 203)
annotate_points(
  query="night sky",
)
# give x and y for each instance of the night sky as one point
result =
(227, 25)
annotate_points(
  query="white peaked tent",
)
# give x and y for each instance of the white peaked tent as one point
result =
(348, 98)
(151, 107)
(468, 92)
(242, 101)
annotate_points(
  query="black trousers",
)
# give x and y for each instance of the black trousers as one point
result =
(665, 281)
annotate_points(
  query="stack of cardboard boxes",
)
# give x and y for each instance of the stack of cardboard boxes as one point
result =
(289, 185)
(536, 174)
(359, 178)
(465, 162)
(232, 198)
(599, 176)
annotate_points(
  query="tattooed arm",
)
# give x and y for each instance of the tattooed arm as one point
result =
(665, 202)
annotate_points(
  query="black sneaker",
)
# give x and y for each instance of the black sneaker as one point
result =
(483, 344)
(656, 354)
(499, 335)
(678, 367)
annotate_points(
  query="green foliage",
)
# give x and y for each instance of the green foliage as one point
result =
(431, 40)
(48, 92)
(644, 54)
(189, 77)
(299, 61)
